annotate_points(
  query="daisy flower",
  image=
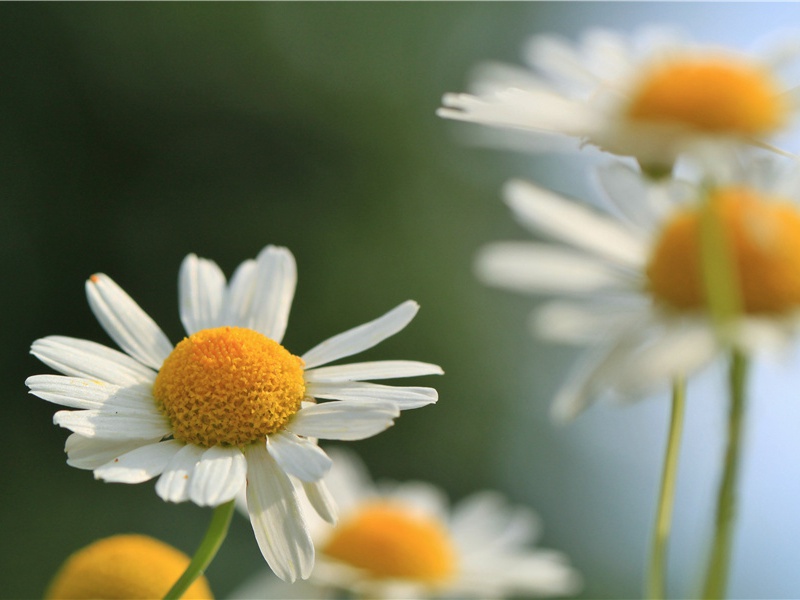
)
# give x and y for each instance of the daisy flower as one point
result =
(631, 287)
(652, 95)
(402, 541)
(124, 567)
(229, 403)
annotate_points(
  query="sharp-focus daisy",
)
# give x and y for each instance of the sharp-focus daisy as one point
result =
(632, 288)
(402, 541)
(125, 567)
(652, 95)
(228, 403)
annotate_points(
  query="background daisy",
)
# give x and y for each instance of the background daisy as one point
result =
(228, 404)
(401, 540)
(652, 95)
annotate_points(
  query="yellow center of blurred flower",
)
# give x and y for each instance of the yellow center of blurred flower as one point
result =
(229, 386)
(764, 235)
(123, 567)
(717, 95)
(389, 541)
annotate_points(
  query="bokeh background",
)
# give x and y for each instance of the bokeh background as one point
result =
(133, 134)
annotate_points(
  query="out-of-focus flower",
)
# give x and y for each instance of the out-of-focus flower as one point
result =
(124, 567)
(401, 540)
(631, 287)
(228, 403)
(653, 95)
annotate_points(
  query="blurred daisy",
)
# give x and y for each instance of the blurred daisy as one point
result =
(631, 287)
(228, 403)
(402, 541)
(126, 567)
(652, 95)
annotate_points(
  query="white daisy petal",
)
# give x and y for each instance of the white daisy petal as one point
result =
(545, 212)
(589, 322)
(78, 392)
(276, 518)
(126, 323)
(297, 456)
(218, 477)
(344, 420)
(175, 481)
(113, 423)
(378, 369)
(140, 464)
(405, 397)
(276, 280)
(238, 299)
(362, 337)
(543, 268)
(201, 290)
(321, 500)
(91, 453)
(82, 358)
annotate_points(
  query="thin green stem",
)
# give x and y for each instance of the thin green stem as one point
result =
(719, 560)
(656, 580)
(215, 535)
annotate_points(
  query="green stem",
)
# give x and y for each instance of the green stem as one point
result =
(215, 535)
(719, 560)
(656, 581)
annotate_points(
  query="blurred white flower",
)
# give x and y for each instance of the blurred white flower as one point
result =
(629, 284)
(228, 403)
(652, 95)
(400, 540)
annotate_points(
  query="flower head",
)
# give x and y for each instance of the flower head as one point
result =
(652, 96)
(228, 403)
(402, 541)
(634, 288)
(124, 567)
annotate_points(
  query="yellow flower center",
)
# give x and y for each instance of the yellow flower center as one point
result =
(389, 541)
(123, 567)
(764, 238)
(229, 386)
(716, 95)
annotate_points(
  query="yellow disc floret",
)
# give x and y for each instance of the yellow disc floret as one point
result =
(715, 95)
(123, 567)
(764, 239)
(389, 541)
(229, 386)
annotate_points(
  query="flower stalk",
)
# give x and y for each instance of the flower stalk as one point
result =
(215, 535)
(656, 581)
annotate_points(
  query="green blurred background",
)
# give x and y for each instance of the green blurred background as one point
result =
(133, 134)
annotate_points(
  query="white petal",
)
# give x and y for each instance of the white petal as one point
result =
(545, 212)
(362, 337)
(114, 424)
(321, 500)
(276, 280)
(78, 392)
(344, 420)
(576, 323)
(82, 358)
(174, 483)
(220, 474)
(405, 397)
(378, 369)
(238, 298)
(127, 324)
(299, 457)
(140, 464)
(201, 288)
(486, 523)
(275, 516)
(544, 269)
(91, 453)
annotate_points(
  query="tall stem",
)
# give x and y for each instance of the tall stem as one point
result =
(215, 535)
(719, 560)
(656, 580)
